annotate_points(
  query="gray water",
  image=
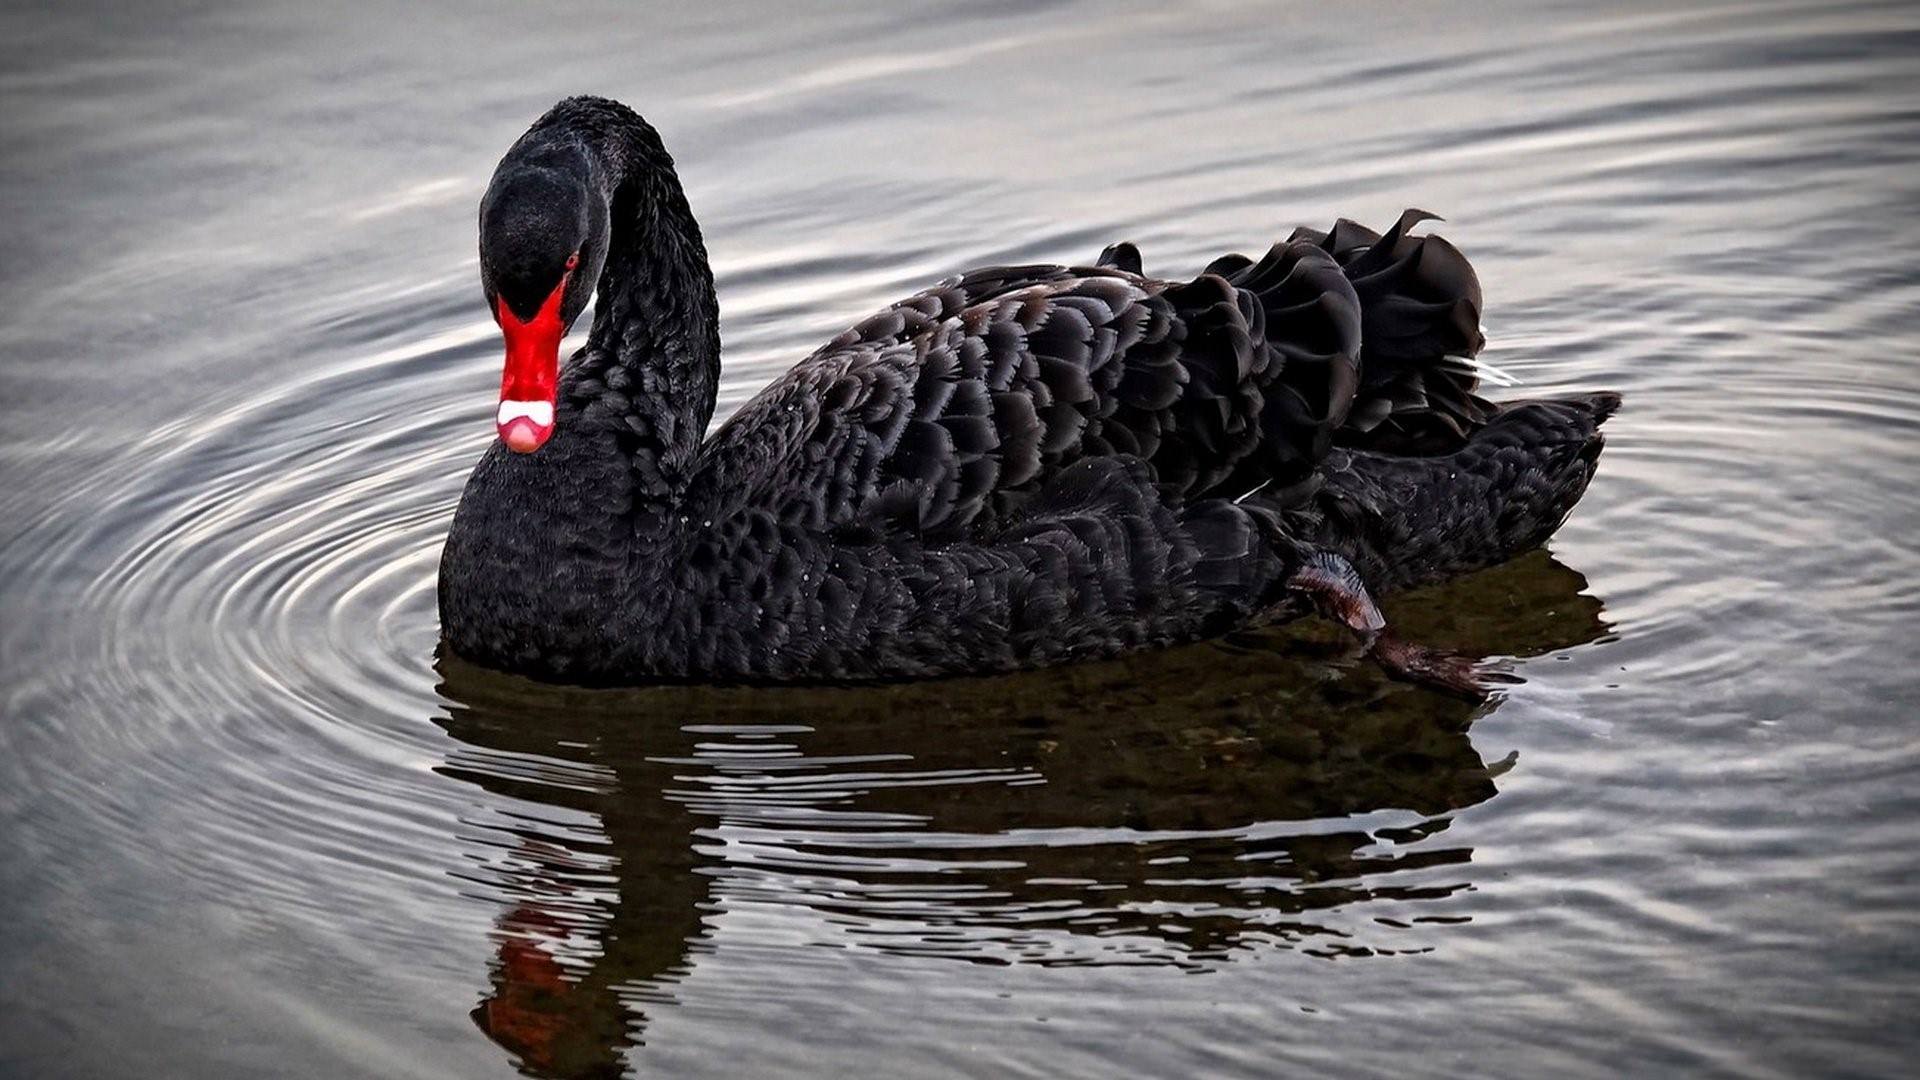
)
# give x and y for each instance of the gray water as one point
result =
(251, 825)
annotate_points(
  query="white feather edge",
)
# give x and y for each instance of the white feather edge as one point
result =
(1492, 374)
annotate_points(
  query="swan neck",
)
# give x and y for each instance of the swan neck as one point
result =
(653, 354)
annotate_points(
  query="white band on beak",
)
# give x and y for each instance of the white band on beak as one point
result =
(540, 412)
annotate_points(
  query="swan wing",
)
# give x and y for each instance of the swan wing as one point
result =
(948, 410)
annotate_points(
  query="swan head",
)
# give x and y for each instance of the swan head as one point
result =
(542, 245)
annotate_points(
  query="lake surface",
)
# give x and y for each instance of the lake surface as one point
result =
(252, 825)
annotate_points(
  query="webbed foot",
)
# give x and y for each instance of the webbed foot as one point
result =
(1438, 669)
(1337, 592)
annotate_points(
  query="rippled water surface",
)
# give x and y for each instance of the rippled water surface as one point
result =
(252, 825)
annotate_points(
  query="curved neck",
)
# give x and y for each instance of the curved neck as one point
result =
(651, 367)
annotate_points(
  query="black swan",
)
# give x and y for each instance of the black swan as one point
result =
(1020, 466)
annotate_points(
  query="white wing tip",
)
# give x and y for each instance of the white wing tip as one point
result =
(1487, 371)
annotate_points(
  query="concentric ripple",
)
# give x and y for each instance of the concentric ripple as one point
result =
(255, 825)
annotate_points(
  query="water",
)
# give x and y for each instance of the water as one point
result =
(253, 826)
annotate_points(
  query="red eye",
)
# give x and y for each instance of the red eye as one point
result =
(573, 260)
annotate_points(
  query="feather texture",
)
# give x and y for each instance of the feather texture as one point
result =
(1020, 465)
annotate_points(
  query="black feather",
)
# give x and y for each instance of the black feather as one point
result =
(1021, 465)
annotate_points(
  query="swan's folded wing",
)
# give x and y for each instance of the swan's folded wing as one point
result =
(948, 410)
(1421, 302)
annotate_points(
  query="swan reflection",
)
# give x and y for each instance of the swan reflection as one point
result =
(1174, 809)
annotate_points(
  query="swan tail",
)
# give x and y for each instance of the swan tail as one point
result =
(1411, 520)
(1420, 306)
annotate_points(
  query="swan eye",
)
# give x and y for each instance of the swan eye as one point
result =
(573, 261)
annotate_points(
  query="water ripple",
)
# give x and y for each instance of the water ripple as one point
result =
(254, 817)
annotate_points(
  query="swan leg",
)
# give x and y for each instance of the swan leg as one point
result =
(1337, 592)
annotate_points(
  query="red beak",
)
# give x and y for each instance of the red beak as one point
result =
(527, 389)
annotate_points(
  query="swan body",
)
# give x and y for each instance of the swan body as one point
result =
(1018, 466)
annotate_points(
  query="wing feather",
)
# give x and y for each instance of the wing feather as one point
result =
(948, 411)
